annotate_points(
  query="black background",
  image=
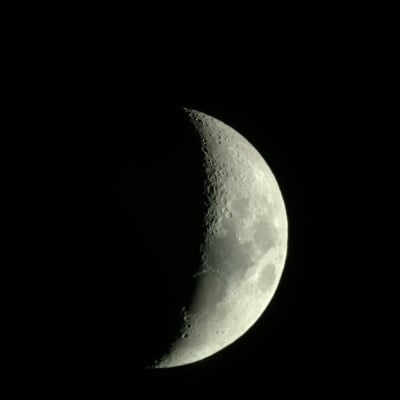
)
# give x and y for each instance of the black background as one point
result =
(123, 190)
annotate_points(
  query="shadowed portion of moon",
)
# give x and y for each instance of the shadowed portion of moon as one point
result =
(162, 199)
(127, 219)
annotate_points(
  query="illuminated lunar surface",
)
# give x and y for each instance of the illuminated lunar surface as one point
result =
(244, 249)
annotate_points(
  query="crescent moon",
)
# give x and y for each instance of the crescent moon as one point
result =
(244, 248)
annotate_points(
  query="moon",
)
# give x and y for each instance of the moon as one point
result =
(244, 248)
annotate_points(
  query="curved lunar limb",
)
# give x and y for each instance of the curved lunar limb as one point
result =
(244, 249)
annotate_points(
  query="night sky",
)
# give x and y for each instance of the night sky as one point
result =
(124, 201)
